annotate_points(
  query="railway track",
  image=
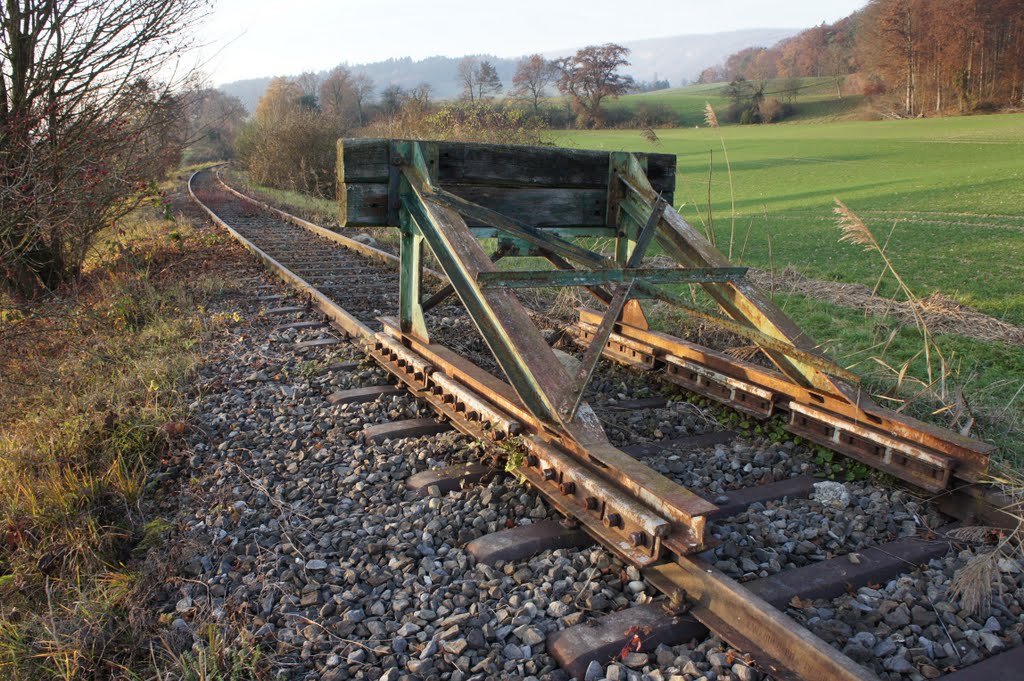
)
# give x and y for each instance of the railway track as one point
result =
(738, 587)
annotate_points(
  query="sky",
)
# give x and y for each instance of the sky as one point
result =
(254, 38)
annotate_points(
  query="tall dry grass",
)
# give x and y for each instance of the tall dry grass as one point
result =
(90, 400)
(938, 372)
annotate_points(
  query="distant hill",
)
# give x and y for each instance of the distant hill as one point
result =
(678, 59)
(681, 58)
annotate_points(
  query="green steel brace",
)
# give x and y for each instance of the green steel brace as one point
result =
(431, 215)
(538, 377)
(783, 342)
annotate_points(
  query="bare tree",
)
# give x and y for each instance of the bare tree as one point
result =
(534, 75)
(362, 88)
(590, 76)
(339, 100)
(467, 72)
(214, 120)
(479, 79)
(392, 98)
(335, 90)
(80, 111)
(421, 95)
(309, 83)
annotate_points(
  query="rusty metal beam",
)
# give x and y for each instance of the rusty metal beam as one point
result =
(765, 391)
(782, 647)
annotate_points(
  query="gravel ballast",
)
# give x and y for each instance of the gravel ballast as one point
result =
(300, 539)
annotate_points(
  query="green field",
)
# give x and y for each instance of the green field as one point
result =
(953, 188)
(816, 100)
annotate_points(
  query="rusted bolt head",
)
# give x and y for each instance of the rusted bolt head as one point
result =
(612, 520)
(591, 503)
(637, 539)
(567, 488)
(550, 474)
(532, 460)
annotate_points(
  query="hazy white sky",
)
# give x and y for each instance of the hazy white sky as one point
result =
(251, 38)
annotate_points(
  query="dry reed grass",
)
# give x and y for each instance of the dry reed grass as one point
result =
(978, 581)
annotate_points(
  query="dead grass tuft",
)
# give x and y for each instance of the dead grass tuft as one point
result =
(710, 117)
(942, 314)
(936, 384)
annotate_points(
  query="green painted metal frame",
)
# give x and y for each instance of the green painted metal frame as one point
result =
(639, 216)
(741, 301)
(538, 279)
(537, 376)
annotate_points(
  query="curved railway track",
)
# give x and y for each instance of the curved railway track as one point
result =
(737, 588)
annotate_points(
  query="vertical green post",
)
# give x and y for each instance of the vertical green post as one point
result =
(626, 228)
(410, 306)
(410, 303)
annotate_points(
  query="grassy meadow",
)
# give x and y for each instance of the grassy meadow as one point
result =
(951, 190)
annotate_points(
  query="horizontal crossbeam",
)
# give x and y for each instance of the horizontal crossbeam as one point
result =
(540, 279)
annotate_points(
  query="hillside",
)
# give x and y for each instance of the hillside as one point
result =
(815, 100)
(676, 58)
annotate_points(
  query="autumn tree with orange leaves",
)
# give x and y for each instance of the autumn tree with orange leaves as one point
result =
(592, 75)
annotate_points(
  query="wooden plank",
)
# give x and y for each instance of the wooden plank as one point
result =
(397, 430)
(366, 161)
(363, 161)
(300, 325)
(316, 343)
(363, 205)
(538, 178)
(683, 443)
(449, 479)
(361, 395)
(541, 207)
(286, 310)
(836, 576)
(602, 640)
(523, 541)
(1003, 667)
(367, 204)
(737, 501)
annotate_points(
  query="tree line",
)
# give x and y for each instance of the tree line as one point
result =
(289, 141)
(89, 120)
(924, 56)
